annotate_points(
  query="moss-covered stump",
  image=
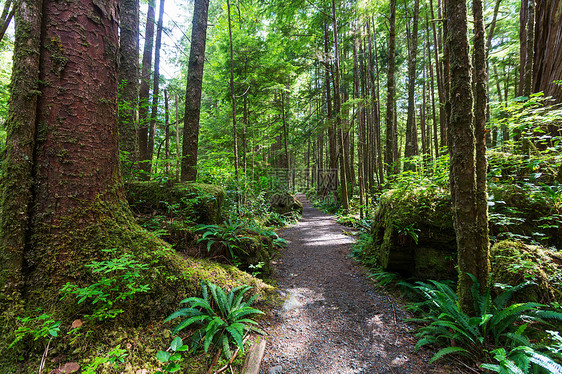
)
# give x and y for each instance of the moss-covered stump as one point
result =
(514, 262)
(196, 202)
(284, 203)
(413, 233)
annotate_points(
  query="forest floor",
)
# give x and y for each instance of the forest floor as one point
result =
(332, 318)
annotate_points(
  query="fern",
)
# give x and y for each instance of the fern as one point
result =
(221, 319)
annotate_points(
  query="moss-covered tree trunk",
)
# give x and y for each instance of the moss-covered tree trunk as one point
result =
(193, 90)
(391, 149)
(129, 81)
(472, 257)
(17, 163)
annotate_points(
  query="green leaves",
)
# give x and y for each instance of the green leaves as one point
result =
(493, 325)
(220, 319)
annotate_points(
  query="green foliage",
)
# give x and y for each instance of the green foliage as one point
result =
(230, 235)
(114, 357)
(172, 356)
(221, 319)
(119, 281)
(494, 324)
(42, 326)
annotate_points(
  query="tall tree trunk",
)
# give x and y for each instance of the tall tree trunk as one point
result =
(440, 82)
(129, 82)
(482, 252)
(391, 148)
(144, 91)
(432, 90)
(193, 91)
(6, 16)
(17, 170)
(332, 141)
(338, 110)
(548, 57)
(411, 148)
(156, 84)
(377, 110)
(233, 102)
(167, 132)
(523, 20)
(472, 259)
(527, 90)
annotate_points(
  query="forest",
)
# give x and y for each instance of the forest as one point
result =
(164, 163)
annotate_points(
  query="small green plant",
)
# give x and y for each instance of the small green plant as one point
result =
(221, 319)
(495, 324)
(42, 326)
(118, 283)
(172, 356)
(114, 357)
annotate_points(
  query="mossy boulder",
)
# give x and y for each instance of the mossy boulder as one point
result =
(284, 203)
(413, 233)
(196, 202)
(514, 262)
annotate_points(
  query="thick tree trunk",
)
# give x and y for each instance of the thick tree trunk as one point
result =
(193, 91)
(523, 18)
(548, 57)
(412, 148)
(155, 85)
(472, 259)
(391, 149)
(144, 91)
(129, 82)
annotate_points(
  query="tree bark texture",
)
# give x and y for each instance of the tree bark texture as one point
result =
(391, 149)
(523, 18)
(155, 86)
(471, 258)
(17, 163)
(412, 148)
(548, 45)
(129, 81)
(144, 91)
(193, 91)
(529, 61)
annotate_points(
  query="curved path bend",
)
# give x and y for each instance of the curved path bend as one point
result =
(333, 319)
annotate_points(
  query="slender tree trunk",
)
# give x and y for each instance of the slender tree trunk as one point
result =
(17, 170)
(472, 258)
(377, 129)
(177, 142)
(432, 90)
(338, 109)
(156, 84)
(332, 143)
(530, 49)
(6, 16)
(411, 148)
(440, 82)
(482, 251)
(144, 91)
(233, 101)
(129, 82)
(523, 20)
(391, 148)
(167, 132)
(193, 91)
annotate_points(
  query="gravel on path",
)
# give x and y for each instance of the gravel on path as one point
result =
(333, 319)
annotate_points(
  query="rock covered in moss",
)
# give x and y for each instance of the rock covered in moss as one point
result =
(413, 233)
(285, 203)
(514, 262)
(197, 202)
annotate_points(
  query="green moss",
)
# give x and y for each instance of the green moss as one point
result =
(198, 202)
(413, 233)
(514, 262)
(60, 253)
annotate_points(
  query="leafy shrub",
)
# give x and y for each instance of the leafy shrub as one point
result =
(222, 319)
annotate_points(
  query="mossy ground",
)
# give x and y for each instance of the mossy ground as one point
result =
(62, 257)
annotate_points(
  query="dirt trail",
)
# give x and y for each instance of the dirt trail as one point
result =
(334, 320)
